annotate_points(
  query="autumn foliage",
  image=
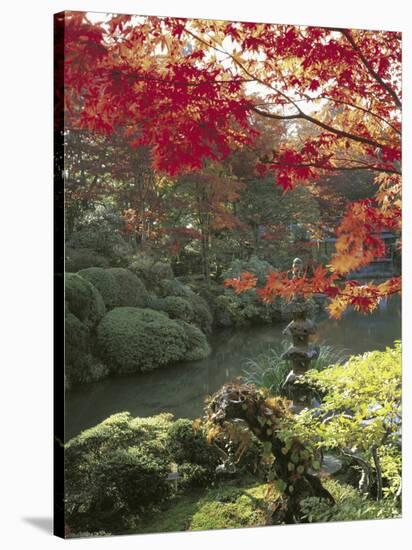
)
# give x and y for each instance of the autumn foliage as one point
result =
(192, 90)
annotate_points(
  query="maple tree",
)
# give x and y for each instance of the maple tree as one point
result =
(190, 90)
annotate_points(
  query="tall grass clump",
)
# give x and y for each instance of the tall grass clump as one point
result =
(269, 370)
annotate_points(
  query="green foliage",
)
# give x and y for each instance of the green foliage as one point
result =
(83, 299)
(173, 287)
(227, 311)
(269, 370)
(105, 282)
(82, 258)
(140, 265)
(100, 231)
(349, 506)
(197, 344)
(255, 265)
(130, 289)
(155, 302)
(238, 309)
(160, 271)
(80, 365)
(178, 308)
(188, 445)
(133, 339)
(360, 412)
(114, 470)
(126, 482)
(202, 315)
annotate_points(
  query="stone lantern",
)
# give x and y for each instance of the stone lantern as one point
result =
(301, 352)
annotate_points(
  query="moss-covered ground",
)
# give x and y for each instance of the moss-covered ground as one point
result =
(237, 503)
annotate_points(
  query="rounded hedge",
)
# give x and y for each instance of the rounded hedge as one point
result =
(155, 302)
(178, 308)
(130, 480)
(173, 287)
(81, 258)
(202, 315)
(197, 344)
(83, 299)
(196, 460)
(80, 364)
(130, 289)
(105, 282)
(160, 271)
(133, 339)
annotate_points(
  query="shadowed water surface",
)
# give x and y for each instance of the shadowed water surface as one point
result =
(181, 388)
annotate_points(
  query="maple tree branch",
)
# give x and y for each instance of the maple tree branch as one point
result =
(347, 34)
(332, 168)
(275, 117)
(331, 129)
(362, 109)
(302, 114)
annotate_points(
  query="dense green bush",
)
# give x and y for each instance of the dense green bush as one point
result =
(173, 287)
(202, 315)
(115, 469)
(155, 302)
(125, 483)
(83, 299)
(178, 308)
(130, 289)
(197, 344)
(105, 282)
(227, 310)
(254, 265)
(188, 448)
(140, 265)
(133, 339)
(247, 307)
(187, 444)
(359, 416)
(81, 258)
(160, 271)
(100, 230)
(80, 364)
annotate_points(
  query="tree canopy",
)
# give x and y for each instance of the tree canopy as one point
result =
(194, 91)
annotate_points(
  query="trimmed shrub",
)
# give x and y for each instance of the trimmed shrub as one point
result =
(178, 308)
(80, 365)
(202, 315)
(197, 344)
(155, 302)
(254, 265)
(140, 265)
(185, 444)
(188, 448)
(130, 289)
(227, 311)
(160, 271)
(133, 339)
(82, 258)
(105, 282)
(84, 300)
(126, 482)
(115, 469)
(173, 287)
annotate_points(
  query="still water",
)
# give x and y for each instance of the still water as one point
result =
(181, 388)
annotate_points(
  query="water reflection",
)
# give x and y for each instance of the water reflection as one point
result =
(181, 389)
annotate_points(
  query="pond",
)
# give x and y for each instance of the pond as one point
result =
(181, 388)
